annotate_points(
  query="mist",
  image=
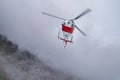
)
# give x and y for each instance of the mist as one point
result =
(94, 57)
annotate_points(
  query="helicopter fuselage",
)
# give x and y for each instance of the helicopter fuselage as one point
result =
(66, 32)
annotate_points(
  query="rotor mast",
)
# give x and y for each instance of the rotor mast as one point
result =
(86, 11)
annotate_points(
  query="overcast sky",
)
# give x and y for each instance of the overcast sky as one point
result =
(95, 57)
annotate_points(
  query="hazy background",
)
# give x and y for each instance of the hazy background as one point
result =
(95, 57)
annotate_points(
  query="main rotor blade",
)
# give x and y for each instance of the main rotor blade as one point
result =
(80, 30)
(83, 13)
(53, 16)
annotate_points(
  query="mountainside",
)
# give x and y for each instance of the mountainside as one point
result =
(16, 64)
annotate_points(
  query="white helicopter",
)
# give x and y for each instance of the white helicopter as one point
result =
(66, 31)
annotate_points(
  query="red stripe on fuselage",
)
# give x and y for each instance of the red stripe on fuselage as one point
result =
(67, 29)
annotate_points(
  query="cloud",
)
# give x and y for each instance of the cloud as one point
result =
(95, 57)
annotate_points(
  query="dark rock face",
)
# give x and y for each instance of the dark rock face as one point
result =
(3, 37)
(23, 55)
(7, 45)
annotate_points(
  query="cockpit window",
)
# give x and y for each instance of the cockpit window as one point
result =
(68, 22)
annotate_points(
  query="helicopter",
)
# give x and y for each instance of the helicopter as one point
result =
(65, 33)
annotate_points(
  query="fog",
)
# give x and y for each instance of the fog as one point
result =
(94, 57)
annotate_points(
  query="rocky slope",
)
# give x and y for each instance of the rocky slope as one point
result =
(18, 64)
